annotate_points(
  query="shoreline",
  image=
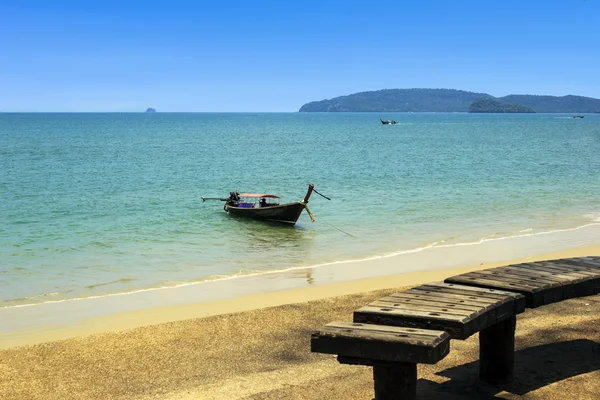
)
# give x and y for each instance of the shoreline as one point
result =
(239, 350)
(50, 322)
(581, 235)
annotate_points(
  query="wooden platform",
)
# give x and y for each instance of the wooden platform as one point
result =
(373, 343)
(542, 282)
(457, 309)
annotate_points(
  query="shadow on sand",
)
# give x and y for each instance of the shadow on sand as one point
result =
(535, 367)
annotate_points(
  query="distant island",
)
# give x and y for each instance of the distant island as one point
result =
(150, 110)
(492, 106)
(450, 100)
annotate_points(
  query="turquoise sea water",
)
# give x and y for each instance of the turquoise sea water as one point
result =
(94, 204)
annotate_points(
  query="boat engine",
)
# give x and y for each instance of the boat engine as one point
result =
(234, 197)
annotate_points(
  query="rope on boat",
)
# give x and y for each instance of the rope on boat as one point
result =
(335, 227)
(315, 190)
(309, 213)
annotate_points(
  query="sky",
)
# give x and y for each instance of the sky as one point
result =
(275, 56)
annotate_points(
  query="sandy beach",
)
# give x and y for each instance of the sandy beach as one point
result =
(257, 347)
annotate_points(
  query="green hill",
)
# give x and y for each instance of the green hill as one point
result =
(445, 100)
(552, 104)
(492, 106)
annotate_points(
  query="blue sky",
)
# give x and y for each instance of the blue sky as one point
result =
(277, 55)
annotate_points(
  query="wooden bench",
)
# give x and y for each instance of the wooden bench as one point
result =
(392, 352)
(542, 282)
(486, 302)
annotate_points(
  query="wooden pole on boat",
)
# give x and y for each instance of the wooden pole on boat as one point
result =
(212, 198)
(309, 192)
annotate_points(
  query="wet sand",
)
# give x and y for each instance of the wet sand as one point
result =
(259, 348)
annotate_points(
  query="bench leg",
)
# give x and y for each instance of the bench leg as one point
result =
(397, 382)
(497, 352)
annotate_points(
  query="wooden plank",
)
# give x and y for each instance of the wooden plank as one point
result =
(459, 300)
(458, 327)
(544, 291)
(421, 307)
(493, 282)
(393, 333)
(574, 268)
(583, 263)
(405, 298)
(595, 259)
(592, 285)
(387, 344)
(571, 268)
(575, 283)
(533, 295)
(473, 291)
(425, 315)
(516, 285)
(571, 265)
(502, 295)
(586, 281)
(503, 305)
(538, 282)
(531, 271)
(571, 284)
(446, 297)
(541, 282)
(461, 296)
(550, 291)
(563, 268)
(430, 309)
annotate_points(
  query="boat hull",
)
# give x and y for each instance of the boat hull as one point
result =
(285, 213)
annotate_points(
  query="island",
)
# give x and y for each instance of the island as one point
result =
(150, 110)
(492, 106)
(447, 100)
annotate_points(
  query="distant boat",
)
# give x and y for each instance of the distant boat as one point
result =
(267, 208)
(579, 116)
(388, 122)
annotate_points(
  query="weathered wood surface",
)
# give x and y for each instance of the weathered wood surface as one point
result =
(497, 353)
(543, 282)
(590, 260)
(357, 343)
(398, 382)
(459, 310)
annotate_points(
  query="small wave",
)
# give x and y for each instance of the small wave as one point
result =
(122, 280)
(523, 233)
(594, 216)
(37, 296)
(490, 236)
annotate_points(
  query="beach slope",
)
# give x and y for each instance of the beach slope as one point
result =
(265, 354)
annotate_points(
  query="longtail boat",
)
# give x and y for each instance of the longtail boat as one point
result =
(267, 207)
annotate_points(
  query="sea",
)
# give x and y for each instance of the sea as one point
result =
(99, 204)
